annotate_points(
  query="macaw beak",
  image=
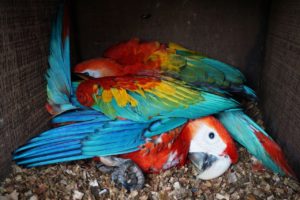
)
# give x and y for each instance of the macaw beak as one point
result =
(210, 166)
(82, 76)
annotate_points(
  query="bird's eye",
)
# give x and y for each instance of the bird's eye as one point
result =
(211, 135)
(86, 73)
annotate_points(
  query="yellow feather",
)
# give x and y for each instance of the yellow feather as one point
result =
(185, 90)
(120, 96)
(107, 96)
(172, 47)
(167, 89)
(155, 92)
(175, 46)
(167, 97)
(141, 92)
(167, 92)
(133, 102)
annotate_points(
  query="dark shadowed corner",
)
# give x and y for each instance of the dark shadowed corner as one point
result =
(280, 78)
(24, 48)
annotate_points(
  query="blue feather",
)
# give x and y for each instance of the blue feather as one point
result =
(45, 150)
(231, 73)
(85, 115)
(58, 160)
(50, 156)
(249, 92)
(164, 125)
(58, 76)
(86, 139)
(54, 141)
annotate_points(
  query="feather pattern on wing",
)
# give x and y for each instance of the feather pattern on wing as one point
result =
(153, 58)
(90, 134)
(58, 75)
(141, 98)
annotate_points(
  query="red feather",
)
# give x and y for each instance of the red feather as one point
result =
(132, 52)
(163, 152)
(275, 152)
(171, 149)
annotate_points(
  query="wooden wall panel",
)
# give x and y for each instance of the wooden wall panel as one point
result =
(280, 86)
(232, 31)
(24, 41)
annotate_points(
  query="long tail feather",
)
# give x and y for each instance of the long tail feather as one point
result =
(256, 140)
(58, 76)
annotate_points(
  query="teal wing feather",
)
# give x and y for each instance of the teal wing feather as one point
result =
(231, 74)
(244, 130)
(91, 134)
(58, 75)
(78, 116)
(203, 71)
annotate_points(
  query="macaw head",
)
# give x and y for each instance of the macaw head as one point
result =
(212, 149)
(99, 67)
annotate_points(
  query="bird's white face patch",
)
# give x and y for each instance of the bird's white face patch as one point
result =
(92, 73)
(207, 140)
(209, 147)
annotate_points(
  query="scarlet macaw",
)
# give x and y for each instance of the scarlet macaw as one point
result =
(148, 118)
(154, 59)
(92, 134)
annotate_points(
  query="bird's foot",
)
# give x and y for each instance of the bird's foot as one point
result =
(125, 172)
(129, 175)
(105, 169)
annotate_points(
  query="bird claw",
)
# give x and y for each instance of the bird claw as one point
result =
(124, 172)
(128, 175)
(104, 168)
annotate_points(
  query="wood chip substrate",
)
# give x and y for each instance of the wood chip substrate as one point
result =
(82, 180)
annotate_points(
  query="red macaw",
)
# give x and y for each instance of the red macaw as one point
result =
(171, 149)
(155, 59)
(90, 134)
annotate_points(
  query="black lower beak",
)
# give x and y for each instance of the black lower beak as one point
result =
(202, 160)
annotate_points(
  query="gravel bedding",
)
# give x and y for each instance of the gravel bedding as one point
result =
(82, 180)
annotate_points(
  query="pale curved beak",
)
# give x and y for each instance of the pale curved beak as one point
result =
(210, 166)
